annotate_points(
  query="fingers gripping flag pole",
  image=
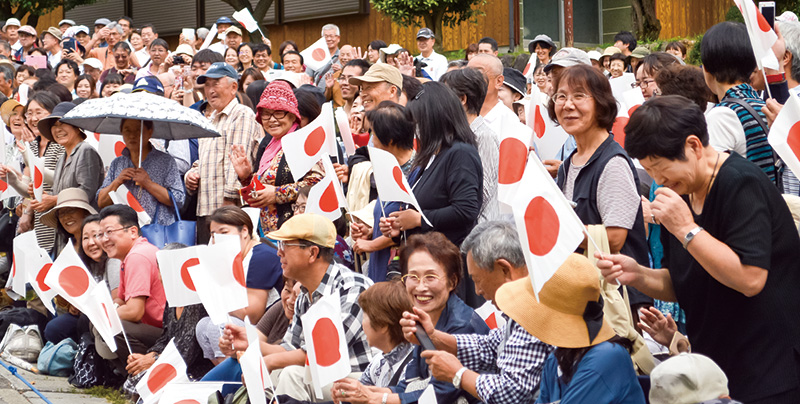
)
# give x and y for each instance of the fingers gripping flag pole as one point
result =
(170, 367)
(391, 182)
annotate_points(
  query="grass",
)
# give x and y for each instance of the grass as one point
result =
(113, 396)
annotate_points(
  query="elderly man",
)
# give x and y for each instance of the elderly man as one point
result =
(223, 23)
(436, 64)
(122, 63)
(213, 176)
(381, 83)
(333, 90)
(233, 37)
(112, 33)
(5, 49)
(10, 29)
(27, 41)
(51, 42)
(332, 36)
(305, 245)
(7, 79)
(493, 110)
(504, 367)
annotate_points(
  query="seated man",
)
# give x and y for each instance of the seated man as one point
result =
(141, 297)
(305, 245)
(505, 366)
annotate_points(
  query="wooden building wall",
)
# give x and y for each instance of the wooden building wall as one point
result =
(682, 18)
(48, 20)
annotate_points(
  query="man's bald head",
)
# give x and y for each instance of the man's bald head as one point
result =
(489, 65)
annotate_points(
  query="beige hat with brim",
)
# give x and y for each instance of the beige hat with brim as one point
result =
(380, 72)
(557, 318)
(309, 227)
(68, 198)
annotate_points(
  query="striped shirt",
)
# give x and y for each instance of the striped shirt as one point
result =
(46, 236)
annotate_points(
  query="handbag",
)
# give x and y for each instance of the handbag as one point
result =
(182, 231)
(249, 192)
(57, 359)
(90, 369)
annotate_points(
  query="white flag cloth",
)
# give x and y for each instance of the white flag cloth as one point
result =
(37, 265)
(246, 19)
(188, 393)
(37, 175)
(344, 130)
(25, 244)
(178, 285)
(428, 395)
(549, 229)
(69, 277)
(762, 36)
(326, 197)
(391, 182)
(7, 191)
(254, 370)
(513, 158)
(169, 367)
(109, 147)
(304, 147)
(99, 308)
(124, 197)
(220, 278)
(317, 55)
(326, 345)
(491, 315)
(212, 33)
(632, 99)
(619, 85)
(784, 135)
(548, 136)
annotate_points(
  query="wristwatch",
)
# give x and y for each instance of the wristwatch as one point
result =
(690, 236)
(457, 377)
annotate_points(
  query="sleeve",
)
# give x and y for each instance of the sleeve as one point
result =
(479, 352)
(288, 193)
(725, 131)
(243, 131)
(137, 276)
(180, 151)
(112, 273)
(112, 173)
(779, 91)
(549, 381)
(617, 196)
(463, 185)
(351, 323)
(173, 182)
(88, 172)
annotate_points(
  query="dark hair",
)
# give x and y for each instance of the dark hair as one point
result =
(258, 47)
(470, 83)
(283, 46)
(627, 38)
(293, 53)
(96, 268)
(569, 358)
(654, 62)
(92, 83)
(308, 104)
(250, 72)
(111, 78)
(31, 71)
(254, 91)
(363, 64)
(440, 248)
(390, 126)
(660, 126)
(471, 48)
(726, 53)
(619, 56)
(60, 91)
(384, 304)
(207, 56)
(490, 41)
(411, 86)
(676, 46)
(591, 81)
(72, 65)
(147, 124)
(45, 99)
(126, 18)
(151, 26)
(159, 42)
(121, 44)
(232, 216)
(239, 49)
(687, 81)
(44, 74)
(440, 121)
(126, 215)
(377, 44)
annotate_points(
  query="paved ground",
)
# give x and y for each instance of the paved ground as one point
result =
(56, 389)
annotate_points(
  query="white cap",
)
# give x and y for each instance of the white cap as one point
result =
(66, 21)
(687, 379)
(12, 22)
(71, 32)
(184, 49)
(93, 62)
(594, 55)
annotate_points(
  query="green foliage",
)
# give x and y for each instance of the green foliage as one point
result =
(35, 8)
(113, 396)
(424, 12)
(693, 57)
(734, 14)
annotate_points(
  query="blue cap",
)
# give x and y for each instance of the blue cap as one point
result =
(224, 20)
(149, 84)
(217, 70)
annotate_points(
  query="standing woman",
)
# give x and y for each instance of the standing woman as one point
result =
(158, 53)
(245, 57)
(85, 87)
(232, 57)
(544, 48)
(67, 73)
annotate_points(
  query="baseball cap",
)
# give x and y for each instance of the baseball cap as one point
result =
(309, 227)
(640, 52)
(93, 62)
(224, 20)
(594, 55)
(218, 70)
(149, 84)
(787, 16)
(54, 31)
(380, 72)
(688, 378)
(66, 21)
(425, 33)
(102, 21)
(567, 57)
(232, 29)
(27, 29)
(515, 80)
(74, 30)
(11, 22)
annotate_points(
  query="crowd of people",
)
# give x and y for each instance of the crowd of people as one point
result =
(693, 208)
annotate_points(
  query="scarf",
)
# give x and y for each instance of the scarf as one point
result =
(272, 150)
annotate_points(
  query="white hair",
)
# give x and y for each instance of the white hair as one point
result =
(330, 27)
(115, 26)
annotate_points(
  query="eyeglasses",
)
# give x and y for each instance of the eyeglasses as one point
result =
(265, 116)
(345, 79)
(577, 98)
(282, 245)
(299, 207)
(107, 233)
(643, 84)
(429, 279)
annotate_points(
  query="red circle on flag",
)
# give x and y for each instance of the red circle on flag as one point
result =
(491, 321)
(238, 269)
(541, 226)
(160, 376)
(793, 139)
(189, 401)
(513, 154)
(618, 129)
(3, 186)
(326, 342)
(97, 136)
(329, 201)
(74, 280)
(318, 55)
(314, 141)
(132, 202)
(13, 266)
(118, 148)
(397, 173)
(633, 109)
(763, 25)
(105, 311)
(37, 177)
(527, 67)
(43, 274)
(538, 123)
(185, 277)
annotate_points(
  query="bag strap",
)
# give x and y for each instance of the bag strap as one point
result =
(751, 110)
(399, 372)
(174, 204)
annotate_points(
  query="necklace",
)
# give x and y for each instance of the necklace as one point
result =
(711, 181)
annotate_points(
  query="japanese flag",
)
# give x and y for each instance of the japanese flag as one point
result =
(37, 175)
(169, 367)
(326, 197)
(188, 392)
(69, 277)
(530, 67)
(631, 100)
(326, 345)
(220, 279)
(108, 146)
(491, 315)
(762, 36)
(513, 157)
(99, 308)
(306, 146)
(123, 196)
(246, 19)
(784, 135)
(317, 55)
(390, 180)
(24, 245)
(7, 191)
(548, 137)
(178, 285)
(344, 130)
(549, 230)
(37, 266)
(254, 370)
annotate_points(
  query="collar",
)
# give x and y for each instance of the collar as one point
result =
(398, 353)
(139, 241)
(78, 146)
(433, 53)
(743, 90)
(330, 275)
(227, 110)
(477, 123)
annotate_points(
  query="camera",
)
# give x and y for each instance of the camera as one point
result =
(177, 60)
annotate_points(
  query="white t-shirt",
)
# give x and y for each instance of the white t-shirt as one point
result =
(436, 64)
(725, 131)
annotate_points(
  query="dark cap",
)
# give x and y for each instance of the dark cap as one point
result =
(425, 33)
(47, 123)
(218, 70)
(515, 80)
(224, 20)
(149, 84)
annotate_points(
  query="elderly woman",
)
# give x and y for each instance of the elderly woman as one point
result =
(431, 267)
(158, 51)
(278, 113)
(154, 184)
(731, 255)
(648, 69)
(122, 63)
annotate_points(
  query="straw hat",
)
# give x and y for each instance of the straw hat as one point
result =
(7, 108)
(570, 306)
(67, 198)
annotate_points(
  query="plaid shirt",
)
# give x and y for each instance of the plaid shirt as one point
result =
(510, 376)
(350, 285)
(218, 180)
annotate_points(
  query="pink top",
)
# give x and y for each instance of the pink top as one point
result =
(140, 278)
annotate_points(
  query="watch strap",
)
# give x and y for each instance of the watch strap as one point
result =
(690, 236)
(776, 78)
(457, 377)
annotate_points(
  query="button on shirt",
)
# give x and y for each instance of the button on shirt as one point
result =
(436, 65)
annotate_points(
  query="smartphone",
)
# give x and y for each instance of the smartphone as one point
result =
(424, 339)
(767, 9)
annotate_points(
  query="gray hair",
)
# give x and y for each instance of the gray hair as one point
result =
(115, 26)
(7, 71)
(202, 32)
(458, 63)
(5, 45)
(791, 37)
(492, 240)
(330, 27)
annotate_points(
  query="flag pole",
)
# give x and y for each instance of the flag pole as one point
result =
(766, 83)
(127, 343)
(596, 247)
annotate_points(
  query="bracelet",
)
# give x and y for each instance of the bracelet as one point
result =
(385, 398)
(690, 236)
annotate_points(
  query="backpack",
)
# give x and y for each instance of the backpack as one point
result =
(57, 359)
(90, 369)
